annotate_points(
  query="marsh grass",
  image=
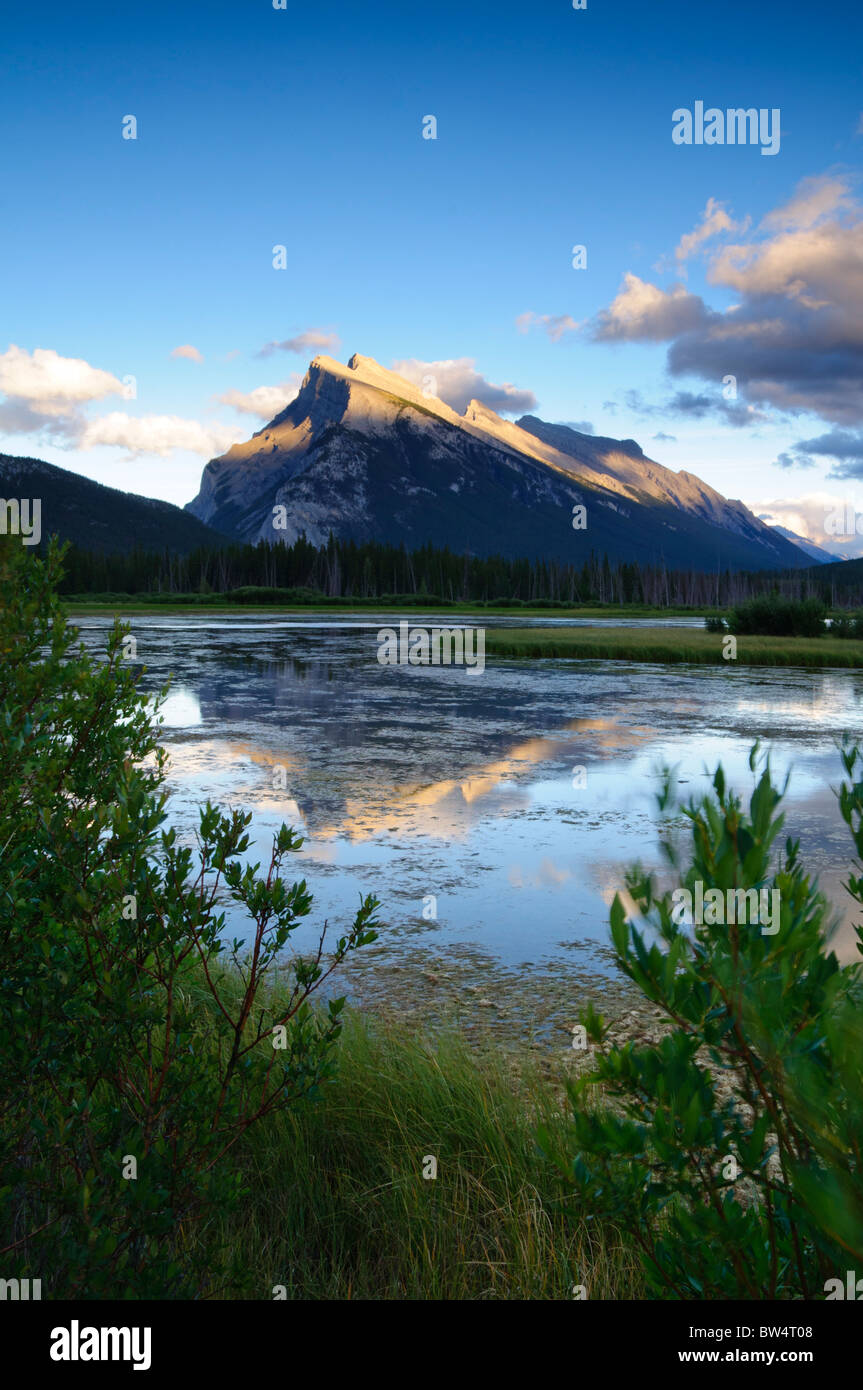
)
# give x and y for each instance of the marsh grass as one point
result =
(671, 645)
(337, 1206)
(123, 605)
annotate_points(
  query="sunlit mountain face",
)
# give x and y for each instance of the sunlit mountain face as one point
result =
(366, 454)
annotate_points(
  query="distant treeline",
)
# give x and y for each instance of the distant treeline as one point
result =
(345, 569)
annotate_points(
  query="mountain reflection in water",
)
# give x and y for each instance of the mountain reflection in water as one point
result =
(410, 782)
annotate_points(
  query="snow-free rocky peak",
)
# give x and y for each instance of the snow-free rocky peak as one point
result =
(365, 453)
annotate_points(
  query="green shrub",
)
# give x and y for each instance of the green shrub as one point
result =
(847, 626)
(714, 624)
(770, 615)
(262, 594)
(731, 1149)
(123, 1083)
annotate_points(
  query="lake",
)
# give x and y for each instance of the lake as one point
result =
(456, 798)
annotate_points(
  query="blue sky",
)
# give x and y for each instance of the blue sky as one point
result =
(303, 127)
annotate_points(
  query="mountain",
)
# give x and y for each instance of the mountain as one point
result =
(101, 518)
(364, 453)
(815, 552)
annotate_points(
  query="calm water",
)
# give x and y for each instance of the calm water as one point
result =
(409, 782)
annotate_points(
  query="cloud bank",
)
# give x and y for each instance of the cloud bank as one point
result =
(457, 382)
(46, 394)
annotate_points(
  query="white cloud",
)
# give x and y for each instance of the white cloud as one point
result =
(555, 325)
(45, 396)
(457, 382)
(314, 338)
(793, 340)
(819, 266)
(51, 385)
(188, 351)
(803, 515)
(714, 220)
(807, 515)
(264, 401)
(642, 312)
(813, 200)
(158, 434)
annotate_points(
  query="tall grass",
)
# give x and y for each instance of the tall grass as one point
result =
(120, 605)
(670, 645)
(337, 1206)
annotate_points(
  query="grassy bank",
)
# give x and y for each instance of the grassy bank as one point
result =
(670, 645)
(129, 607)
(338, 1208)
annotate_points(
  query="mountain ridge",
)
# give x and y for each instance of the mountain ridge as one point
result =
(365, 453)
(810, 548)
(98, 517)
